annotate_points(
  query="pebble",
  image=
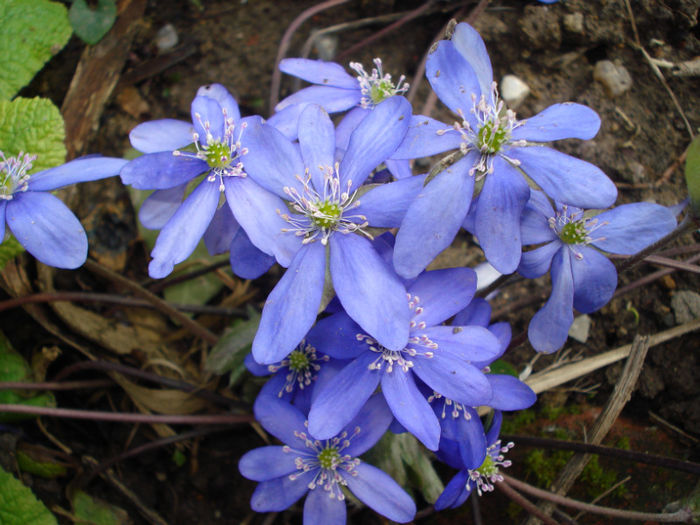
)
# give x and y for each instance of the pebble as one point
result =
(513, 90)
(686, 306)
(573, 23)
(613, 76)
(580, 328)
(166, 38)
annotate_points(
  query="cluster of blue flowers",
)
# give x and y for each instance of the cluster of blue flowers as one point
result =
(354, 334)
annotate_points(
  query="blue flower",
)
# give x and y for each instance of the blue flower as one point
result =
(216, 131)
(317, 221)
(493, 147)
(320, 468)
(582, 277)
(481, 477)
(440, 356)
(40, 221)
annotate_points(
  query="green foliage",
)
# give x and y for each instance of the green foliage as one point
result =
(39, 467)
(230, 351)
(14, 368)
(19, 506)
(94, 511)
(514, 421)
(499, 366)
(9, 249)
(32, 32)
(692, 175)
(92, 24)
(35, 126)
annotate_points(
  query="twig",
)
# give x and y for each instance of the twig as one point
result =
(193, 326)
(650, 278)
(604, 494)
(525, 503)
(683, 515)
(476, 509)
(673, 428)
(53, 385)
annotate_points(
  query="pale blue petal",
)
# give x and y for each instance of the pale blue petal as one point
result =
(79, 170)
(221, 231)
(266, 463)
(319, 72)
(208, 119)
(509, 393)
(280, 419)
(470, 45)
(287, 120)
(434, 218)
(346, 126)
(453, 80)
(161, 135)
(247, 261)
(442, 293)
(559, 121)
(160, 171)
(160, 206)
(535, 263)
(280, 493)
(534, 222)
(454, 378)
(369, 290)
(290, 309)
(399, 169)
(455, 493)
(229, 106)
(595, 280)
(376, 489)
(565, 178)
(319, 508)
(47, 229)
(317, 143)
(477, 313)
(426, 137)
(469, 343)
(332, 99)
(336, 336)
(373, 420)
(549, 327)
(630, 228)
(3, 205)
(495, 428)
(385, 205)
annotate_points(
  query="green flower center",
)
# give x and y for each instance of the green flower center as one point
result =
(488, 468)
(381, 90)
(329, 458)
(492, 136)
(574, 233)
(218, 155)
(298, 361)
(327, 214)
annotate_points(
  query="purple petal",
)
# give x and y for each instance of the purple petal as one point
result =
(160, 171)
(374, 140)
(319, 507)
(399, 169)
(373, 420)
(319, 72)
(247, 262)
(472, 442)
(559, 121)
(332, 99)
(335, 336)
(495, 428)
(160, 206)
(272, 160)
(287, 120)
(346, 126)
(369, 291)
(229, 106)
(442, 293)
(3, 205)
(549, 327)
(434, 218)
(535, 263)
(47, 229)
(385, 205)
(469, 44)
(509, 393)
(630, 228)
(317, 143)
(500, 206)
(410, 407)
(426, 137)
(208, 119)
(161, 135)
(391, 501)
(342, 397)
(565, 178)
(455, 493)
(454, 378)
(478, 313)
(280, 493)
(291, 307)
(595, 280)
(534, 222)
(79, 170)
(266, 463)
(280, 419)
(180, 236)
(221, 231)
(453, 80)
(469, 343)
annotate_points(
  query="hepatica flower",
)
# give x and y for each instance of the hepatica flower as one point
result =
(320, 468)
(216, 154)
(318, 221)
(582, 277)
(40, 221)
(492, 147)
(439, 356)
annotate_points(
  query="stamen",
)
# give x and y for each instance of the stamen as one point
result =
(14, 174)
(378, 86)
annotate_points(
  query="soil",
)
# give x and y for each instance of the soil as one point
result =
(554, 50)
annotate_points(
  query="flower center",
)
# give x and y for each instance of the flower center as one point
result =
(574, 233)
(329, 458)
(492, 136)
(378, 86)
(487, 474)
(327, 214)
(14, 174)
(217, 155)
(574, 229)
(302, 365)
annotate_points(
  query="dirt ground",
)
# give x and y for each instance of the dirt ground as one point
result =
(554, 49)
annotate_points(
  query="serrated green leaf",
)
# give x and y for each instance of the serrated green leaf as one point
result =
(9, 249)
(94, 511)
(692, 174)
(19, 506)
(499, 366)
(92, 24)
(32, 32)
(14, 368)
(35, 126)
(232, 347)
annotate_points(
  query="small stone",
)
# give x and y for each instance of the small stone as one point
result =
(613, 76)
(580, 328)
(668, 282)
(686, 306)
(573, 23)
(166, 38)
(513, 90)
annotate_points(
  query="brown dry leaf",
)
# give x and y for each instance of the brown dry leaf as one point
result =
(131, 101)
(161, 400)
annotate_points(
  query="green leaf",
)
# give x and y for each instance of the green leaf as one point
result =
(32, 32)
(94, 511)
(692, 175)
(39, 466)
(92, 24)
(230, 351)
(14, 368)
(499, 366)
(19, 506)
(9, 249)
(35, 126)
